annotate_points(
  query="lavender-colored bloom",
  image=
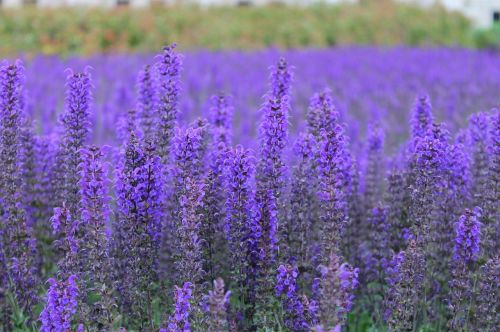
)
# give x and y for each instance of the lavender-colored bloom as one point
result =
(45, 152)
(94, 217)
(202, 125)
(375, 168)
(188, 192)
(335, 172)
(397, 210)
(405, 280)
(421, 118)
(488, 319)
(19, 246)
(242, 226)
(217, 302)
(301, 220)
(460, 177)
(478, 131)
(377, 256)
(94, 208)
(212, 229)
(337, 284)
(239, 210)
(273, 134)
(333, 165)
(468, 230)
(187, 146)
(137, 191)
(168, 66)
(61, 305)
(186, 160)
(491, 209)
(466, 250)
(76, 129)
(66, 228)
(286, 288)
(179, 320)
(270, 176)
(322, 114)
(27, 166)
(430, 173)
(146, 102)
(221, 117)
(189, 262)
(431, 195)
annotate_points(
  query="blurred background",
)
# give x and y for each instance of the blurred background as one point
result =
(87, 27)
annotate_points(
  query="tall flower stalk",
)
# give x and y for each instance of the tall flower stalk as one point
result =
(147, 102)
(270, 176)
(179, 321)
(168, 66)
(76, 131)
(94, 212)
(487, 314)
(18, 243)
(466, 252)
(242, 227)
(405, 277)
(300, 231)
(138, 190)
(188, 192)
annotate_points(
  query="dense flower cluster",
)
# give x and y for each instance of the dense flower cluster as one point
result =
(320, 213)
(286, 287)
(179, 320)
(61, 305)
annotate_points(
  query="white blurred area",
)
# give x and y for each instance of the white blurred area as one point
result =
(481, 12)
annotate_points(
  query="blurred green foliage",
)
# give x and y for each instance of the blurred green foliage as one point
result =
(87, 31)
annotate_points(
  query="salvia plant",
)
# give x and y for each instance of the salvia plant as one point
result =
(214, 193)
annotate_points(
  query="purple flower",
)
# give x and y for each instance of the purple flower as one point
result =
(405, 277)
(19, 246)
(188, 195)
(377, 256)
(76, 130)
(334, 169)
(487, 295)
(490, 206)
(95, 247)
(468, 231)
(321, 115)
(179, 320)
(286, 288)
(270, 176)
(421, 118)
(146, 102)
(337, 284)
(61, 305)
(242, 227)
(466, 250)
(302, 216)
(168, 66)
(138, 191)
(273, 132)
(375, 168)
(221, 117)
(212, 229)
(430, 173)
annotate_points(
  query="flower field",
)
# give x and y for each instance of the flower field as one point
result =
(347, 189)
